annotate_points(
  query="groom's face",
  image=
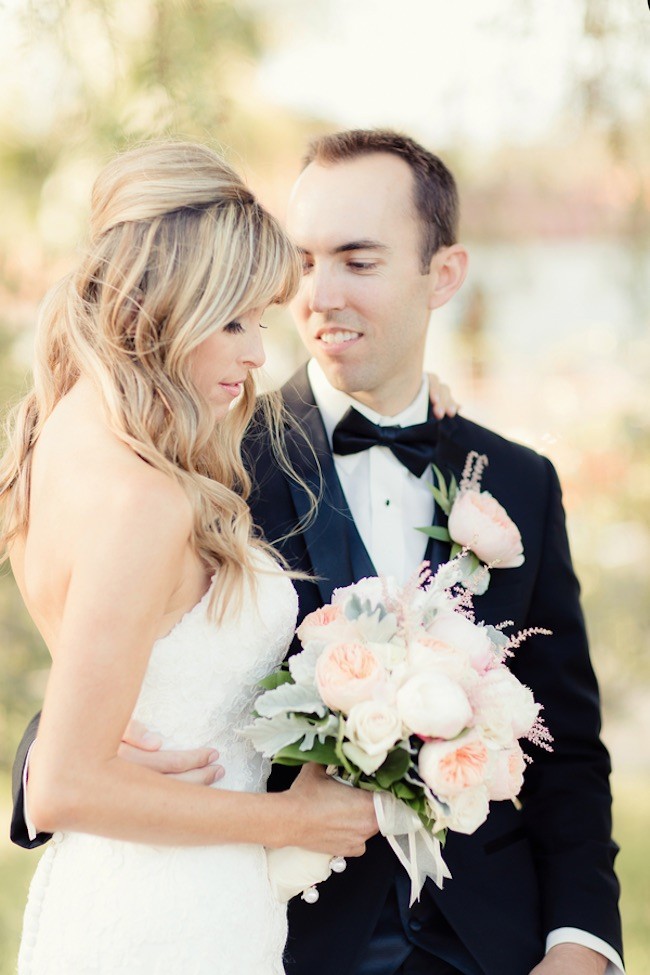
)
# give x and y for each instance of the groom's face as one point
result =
(363, 307)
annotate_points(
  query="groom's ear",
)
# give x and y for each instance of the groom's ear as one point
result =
(447, 272)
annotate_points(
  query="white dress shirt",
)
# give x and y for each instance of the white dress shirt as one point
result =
(388, 504)
(386, 501)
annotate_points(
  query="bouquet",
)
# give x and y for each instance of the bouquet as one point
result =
(399, 691)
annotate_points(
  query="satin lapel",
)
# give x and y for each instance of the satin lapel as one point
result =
(337, 554)
(449, 458)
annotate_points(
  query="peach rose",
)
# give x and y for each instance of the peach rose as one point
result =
(325, 625)
(347, 673)
(433, 705)
(506, 774)
(478, 522)
(450, 767)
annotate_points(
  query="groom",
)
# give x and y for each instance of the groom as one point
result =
(533, 890)
(375, 217)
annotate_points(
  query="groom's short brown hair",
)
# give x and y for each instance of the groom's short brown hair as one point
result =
(435, 194)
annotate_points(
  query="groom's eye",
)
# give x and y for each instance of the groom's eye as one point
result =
(362, 265)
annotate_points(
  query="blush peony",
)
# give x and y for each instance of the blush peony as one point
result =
(433, 705)
(478, 522)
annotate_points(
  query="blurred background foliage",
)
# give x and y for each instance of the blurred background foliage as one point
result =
(548, 342)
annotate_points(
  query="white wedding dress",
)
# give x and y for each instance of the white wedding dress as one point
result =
(103, 907)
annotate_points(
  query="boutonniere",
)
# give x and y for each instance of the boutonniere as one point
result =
(476, 522)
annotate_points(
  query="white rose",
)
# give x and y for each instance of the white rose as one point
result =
(468, 810)
(450, 767)
(367, 763)
(478, 522)
(504, 708)
(433, 705)
(373, 726)
(458, 631)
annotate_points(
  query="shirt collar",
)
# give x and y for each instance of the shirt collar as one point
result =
(333, 404)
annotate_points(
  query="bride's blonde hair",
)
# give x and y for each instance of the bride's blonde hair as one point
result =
(179, 247)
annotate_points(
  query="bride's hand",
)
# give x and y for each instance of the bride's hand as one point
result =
(329, 817)
(143, 747)
(442, 401)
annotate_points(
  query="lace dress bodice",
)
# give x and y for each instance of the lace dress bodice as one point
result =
(103, 907)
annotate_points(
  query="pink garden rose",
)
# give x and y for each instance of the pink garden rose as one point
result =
(433, 705)
(478, 522)
(506, 773)
(348, 673)
(450, 767)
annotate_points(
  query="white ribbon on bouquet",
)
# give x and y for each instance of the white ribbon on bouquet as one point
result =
(416, 849)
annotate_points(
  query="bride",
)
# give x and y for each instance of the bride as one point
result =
(124, 515)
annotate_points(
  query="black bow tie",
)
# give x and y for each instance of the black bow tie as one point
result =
(413, 446)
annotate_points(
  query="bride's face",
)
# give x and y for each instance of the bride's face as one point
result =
(221, 363)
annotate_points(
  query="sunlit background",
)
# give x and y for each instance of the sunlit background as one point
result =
(543, 112)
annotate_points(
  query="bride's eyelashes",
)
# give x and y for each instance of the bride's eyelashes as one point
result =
(235, 327)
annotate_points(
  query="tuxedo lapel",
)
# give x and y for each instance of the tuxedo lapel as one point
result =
(337, 554)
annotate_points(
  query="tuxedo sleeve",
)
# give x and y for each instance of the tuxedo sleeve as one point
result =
(566, 798)
(19, 832)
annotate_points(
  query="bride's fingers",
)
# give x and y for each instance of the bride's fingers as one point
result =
(440, 394)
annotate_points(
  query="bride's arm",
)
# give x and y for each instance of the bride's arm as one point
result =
(124, 570)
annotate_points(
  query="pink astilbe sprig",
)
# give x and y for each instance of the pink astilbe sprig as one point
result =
(540, 735)
(473, 471)
(517, 639)
(420, 579)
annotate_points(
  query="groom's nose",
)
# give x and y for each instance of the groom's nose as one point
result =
(325, 292)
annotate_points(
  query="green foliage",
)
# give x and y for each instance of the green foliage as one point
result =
(394, 768)
(276, 679)
(324, 753)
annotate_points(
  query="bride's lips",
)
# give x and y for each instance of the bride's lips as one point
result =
(336, 339)
(233, 389)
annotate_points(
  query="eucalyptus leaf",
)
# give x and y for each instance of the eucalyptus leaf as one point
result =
(276, 679)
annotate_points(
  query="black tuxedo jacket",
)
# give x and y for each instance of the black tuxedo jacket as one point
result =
(523, 873)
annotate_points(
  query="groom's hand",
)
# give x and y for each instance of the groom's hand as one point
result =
(571, 959)
(143, 747)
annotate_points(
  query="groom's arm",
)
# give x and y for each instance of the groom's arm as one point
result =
(567, 800)
(20, 832)
(139, 746)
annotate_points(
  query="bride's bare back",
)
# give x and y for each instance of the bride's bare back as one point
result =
(82, 483)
